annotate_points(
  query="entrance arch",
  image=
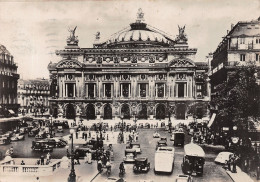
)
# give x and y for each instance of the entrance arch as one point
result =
(180, 111)
(70, 112)
(160, 111)
(125, 111)
(107, 112)
(142, 112)
(90, 112)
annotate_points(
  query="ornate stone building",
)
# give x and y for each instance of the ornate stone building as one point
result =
(140, 72)
(33, 96)
(8, 84)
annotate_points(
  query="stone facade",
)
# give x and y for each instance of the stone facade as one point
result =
(138, 73)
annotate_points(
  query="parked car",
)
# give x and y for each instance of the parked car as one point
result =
(140, 125)
(17, 137)
(141, 165)
(161, 143)
(135, 146)
(41, 146)
(156, 135)
(183, 178)
(33, 132)
(130, 155)
(55, 142)
(60, 129)
(163, 139)
(178, 138)
(4, 140)
(222, 157)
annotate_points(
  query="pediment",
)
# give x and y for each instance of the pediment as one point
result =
(68, 63)
(181, 62)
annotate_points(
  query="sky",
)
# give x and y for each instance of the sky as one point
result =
(32, 31)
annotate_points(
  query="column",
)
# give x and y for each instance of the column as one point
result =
(66, 91)
(177, 90)
(104, 90)
(112, 90)
(129, 90)
(121, 90)
(185, 89)
(147, 90)
(156, 90)
(82, 84)
(87, 90)
(74, 89)
(95, 90)
(139, 89)
(164, 89)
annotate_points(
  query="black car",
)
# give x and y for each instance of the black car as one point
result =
(141, 165)
(41, 146)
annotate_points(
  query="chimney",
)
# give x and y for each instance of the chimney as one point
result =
(232, 26)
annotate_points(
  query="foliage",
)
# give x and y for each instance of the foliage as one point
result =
(238, 98)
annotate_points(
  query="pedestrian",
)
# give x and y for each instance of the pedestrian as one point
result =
(86, 157)
(234, 163)
(48, 157)
(22, 163)
(107, 136)
(77, 134)
(99, 165)
(77, 157)
(37, 179)
(89, 157)
(258, 172)
(42, 160)
(83, 135)
(86, 136)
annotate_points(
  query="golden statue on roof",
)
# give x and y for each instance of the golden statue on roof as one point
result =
(140, 16)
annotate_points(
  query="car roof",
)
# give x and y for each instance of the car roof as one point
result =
(141, 159)
(130, 150)
(192, 149)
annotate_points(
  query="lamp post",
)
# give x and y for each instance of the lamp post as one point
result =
(72, 176)
(122, 117)
(51, 124)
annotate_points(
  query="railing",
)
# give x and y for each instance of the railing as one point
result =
(7, 168)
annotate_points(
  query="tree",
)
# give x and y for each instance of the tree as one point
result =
(238, 98)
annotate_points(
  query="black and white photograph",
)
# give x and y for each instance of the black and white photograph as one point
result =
(130, 91)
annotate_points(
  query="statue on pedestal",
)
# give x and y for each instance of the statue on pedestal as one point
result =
(182, 37)
(72, 39)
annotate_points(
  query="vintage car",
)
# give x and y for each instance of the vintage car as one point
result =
(110, 179)
(33, 132)
(55, 142)
(147, 125)
(59, 129)
(41, 135)
(23, 130)
(135, 146)
(163, 139)
(4, 140)
(193, 159)
(178, 138)
(141, 165)
(130, 155)
(94, 144)
(164, 160)
(161, 143)
(156, 135)
(83, 150)
(41, 146)
(183, 178)
(140, 125)
(17, 137)
(222, 157)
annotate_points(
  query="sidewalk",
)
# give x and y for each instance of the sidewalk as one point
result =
(84, 173)
(240, 176)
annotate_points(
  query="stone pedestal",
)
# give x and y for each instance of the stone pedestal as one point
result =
(98, 117)
(151, 117)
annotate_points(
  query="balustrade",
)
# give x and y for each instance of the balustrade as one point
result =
(41, 170)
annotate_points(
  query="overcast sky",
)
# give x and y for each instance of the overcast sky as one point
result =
(32, 31)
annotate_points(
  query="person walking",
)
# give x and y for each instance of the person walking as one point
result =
(48, 157)
(42, 160)
(89, 157)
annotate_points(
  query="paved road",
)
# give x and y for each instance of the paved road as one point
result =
(212, 172)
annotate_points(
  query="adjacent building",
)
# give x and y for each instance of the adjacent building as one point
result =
(33, 96)
(239, 47)
(8, 84)
(138, 73)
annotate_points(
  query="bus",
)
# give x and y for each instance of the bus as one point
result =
(164, 160)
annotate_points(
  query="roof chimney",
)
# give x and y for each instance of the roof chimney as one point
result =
(232, 26)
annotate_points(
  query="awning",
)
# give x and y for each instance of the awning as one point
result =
(211, 120)
(11, 111)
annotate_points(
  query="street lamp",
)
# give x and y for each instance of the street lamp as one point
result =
(72, 176)
(51, 124)
(122, 117)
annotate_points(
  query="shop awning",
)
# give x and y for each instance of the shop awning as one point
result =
(211, 120)
(11, 111)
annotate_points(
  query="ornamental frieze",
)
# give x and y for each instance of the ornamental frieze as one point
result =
(69, 64)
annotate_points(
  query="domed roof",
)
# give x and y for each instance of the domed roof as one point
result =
(137, 34)
(3, 50)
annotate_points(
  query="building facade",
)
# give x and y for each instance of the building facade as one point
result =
(138, 73)
(33, 96)
(240, 47)
(8, 84)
